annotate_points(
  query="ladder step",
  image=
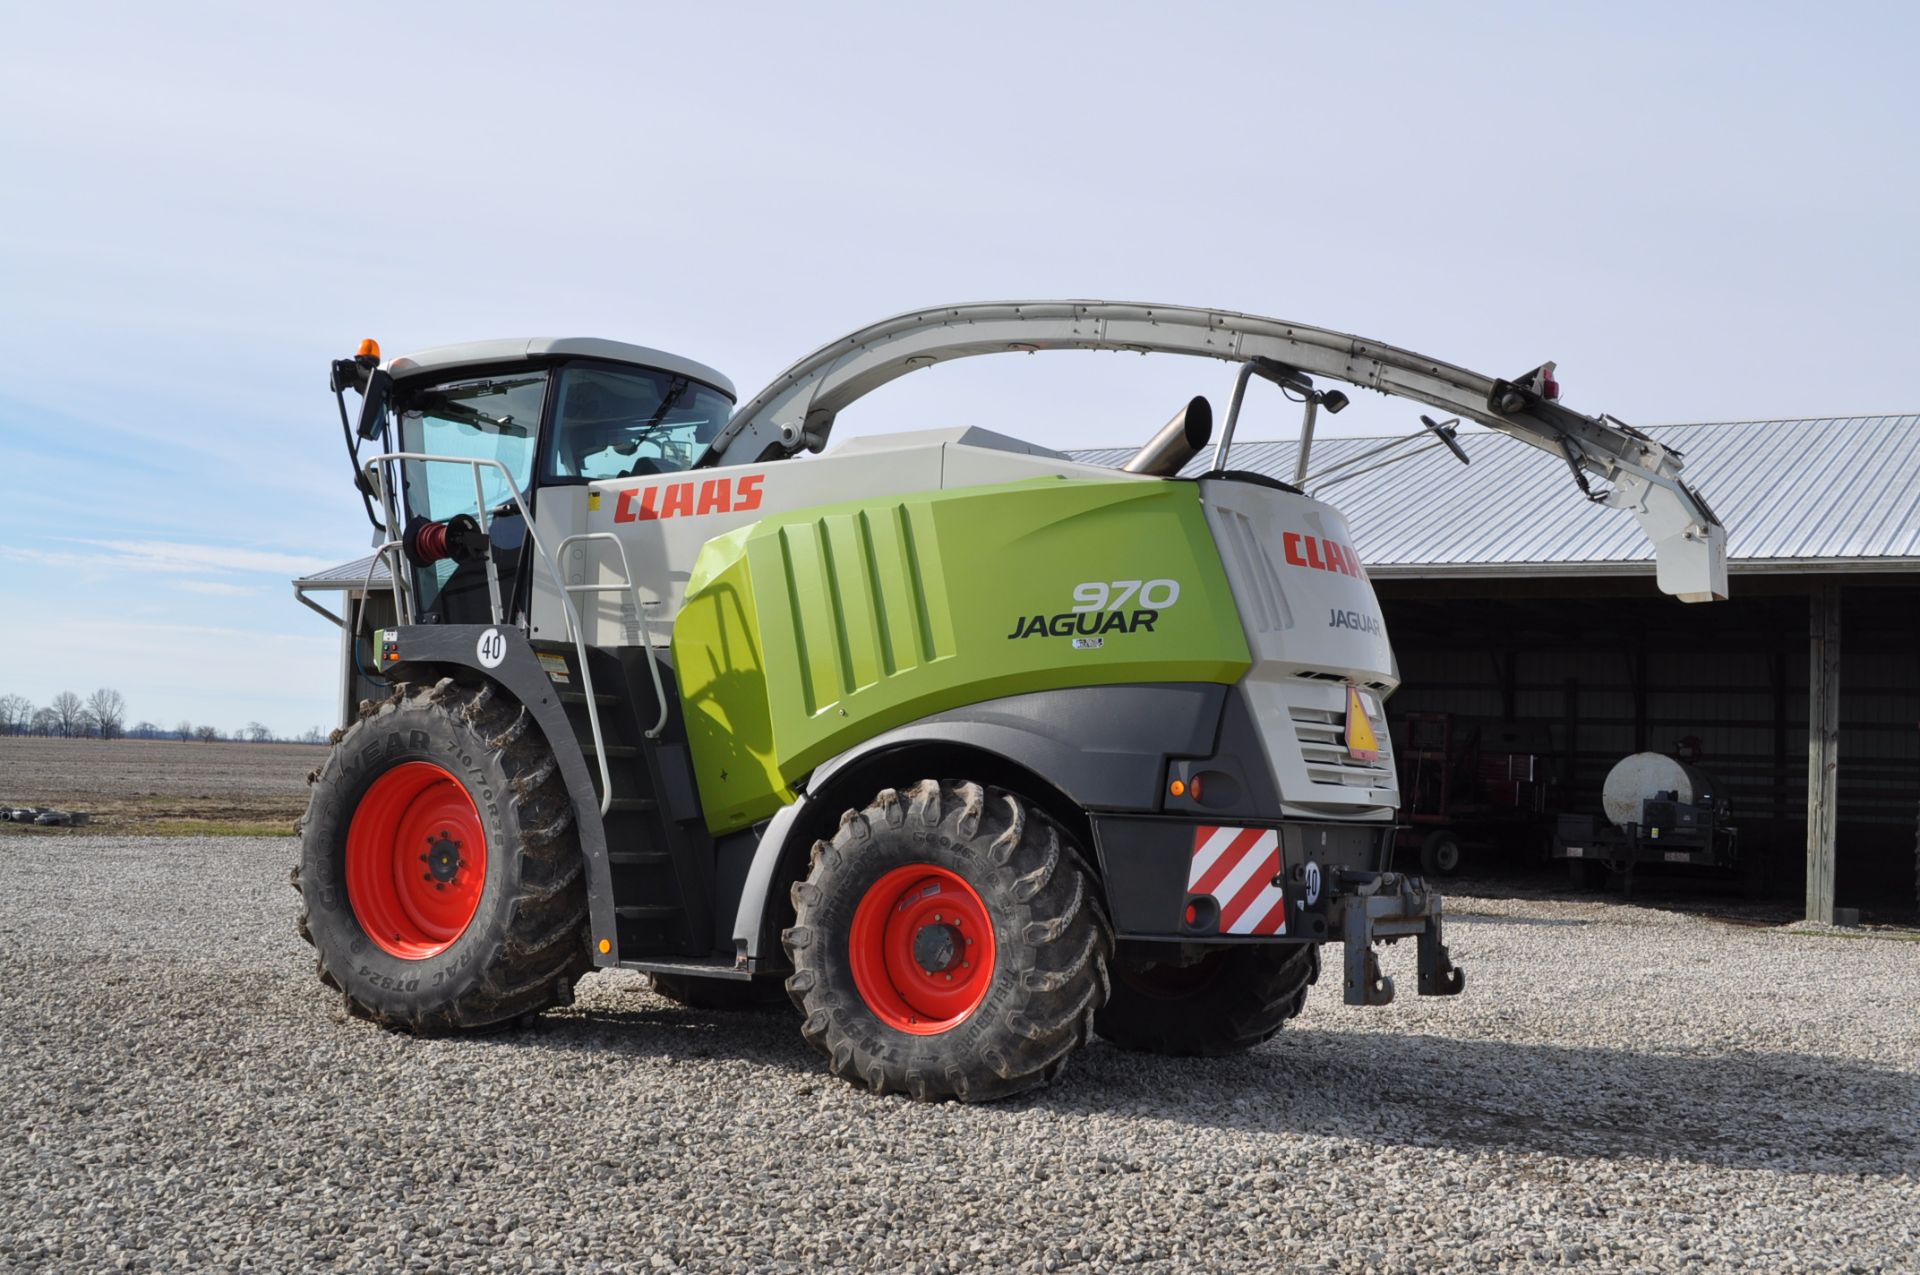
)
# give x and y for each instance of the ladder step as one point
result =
(620, 804)
(611, 750)
(580, 697)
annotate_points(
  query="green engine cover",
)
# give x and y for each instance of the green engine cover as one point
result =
(807, 632)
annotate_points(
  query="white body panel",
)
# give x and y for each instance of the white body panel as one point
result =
(661, 524)
(1313, 626)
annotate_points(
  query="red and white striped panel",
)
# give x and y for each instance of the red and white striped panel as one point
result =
(1237, 867)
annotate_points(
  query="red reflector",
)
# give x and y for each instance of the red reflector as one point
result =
(1192, 915)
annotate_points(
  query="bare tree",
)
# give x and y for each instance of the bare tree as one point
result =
(45, 722)
(145, 730)
(109, 709)
(258, 732)
(313, 735)
(184, 730)
(88, 725)
(67, 711)
(16, 711)
(206, 734)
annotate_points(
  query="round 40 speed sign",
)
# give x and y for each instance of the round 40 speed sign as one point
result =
(492, 648)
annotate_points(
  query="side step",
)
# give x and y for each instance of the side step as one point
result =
(716, 968)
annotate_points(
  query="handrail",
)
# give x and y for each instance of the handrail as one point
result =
(1223, 445)
(627, 582)
(366, 587)
(574, 628)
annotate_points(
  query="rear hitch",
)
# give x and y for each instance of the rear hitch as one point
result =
(1388, 906)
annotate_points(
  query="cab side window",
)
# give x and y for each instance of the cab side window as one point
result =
(628, 423)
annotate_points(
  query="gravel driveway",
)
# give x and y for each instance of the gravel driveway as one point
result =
(1619, 1088)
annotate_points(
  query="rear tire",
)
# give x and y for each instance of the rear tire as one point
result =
(484, 920)
(1231, 1000)
(947, 943)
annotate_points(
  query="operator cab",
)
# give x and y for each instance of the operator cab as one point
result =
(540, 413)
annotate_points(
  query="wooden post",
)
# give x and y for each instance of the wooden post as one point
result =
(1823, 747)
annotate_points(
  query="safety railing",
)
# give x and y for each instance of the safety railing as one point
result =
(403, 595)
(626, 581)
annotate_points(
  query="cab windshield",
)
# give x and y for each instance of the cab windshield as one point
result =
(629, 422)
(494, 418)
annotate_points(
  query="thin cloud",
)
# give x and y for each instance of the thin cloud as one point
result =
(216, 587)
(161, 555)
(166, 556)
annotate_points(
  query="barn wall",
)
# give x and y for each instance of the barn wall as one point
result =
(1733, 675)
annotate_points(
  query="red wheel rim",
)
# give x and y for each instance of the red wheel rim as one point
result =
(922, 949)
(416, 861)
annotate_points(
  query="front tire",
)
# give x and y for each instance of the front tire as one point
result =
(947, 944)
(1228, 1001)
(440, 877)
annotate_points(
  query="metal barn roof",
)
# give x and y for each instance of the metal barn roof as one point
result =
(348, 575)
(1834, 494)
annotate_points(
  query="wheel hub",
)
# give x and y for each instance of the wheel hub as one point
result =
(442, 859)
(936, 948)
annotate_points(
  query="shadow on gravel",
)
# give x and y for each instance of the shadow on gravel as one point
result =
(769, 1037)
(1764, 1111)
(1797, 1112)
(1709, 898)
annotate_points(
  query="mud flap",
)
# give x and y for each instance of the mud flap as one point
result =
(1388, 906)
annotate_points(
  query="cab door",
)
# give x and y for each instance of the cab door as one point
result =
(493, 418)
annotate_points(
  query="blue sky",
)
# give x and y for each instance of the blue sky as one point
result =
(1702, 211)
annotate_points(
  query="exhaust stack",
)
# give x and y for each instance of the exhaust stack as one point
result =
(1178, 442)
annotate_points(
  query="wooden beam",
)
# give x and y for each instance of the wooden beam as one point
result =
(1823, 746)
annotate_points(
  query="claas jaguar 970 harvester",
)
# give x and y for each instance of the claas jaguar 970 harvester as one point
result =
(971, 750)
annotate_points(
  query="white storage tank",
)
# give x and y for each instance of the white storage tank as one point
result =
(1644, 777)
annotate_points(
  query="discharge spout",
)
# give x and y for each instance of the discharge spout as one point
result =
(1178, 442)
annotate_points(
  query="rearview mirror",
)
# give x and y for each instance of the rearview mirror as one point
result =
(373, 403)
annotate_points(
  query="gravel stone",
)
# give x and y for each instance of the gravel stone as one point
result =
(1620, 1088)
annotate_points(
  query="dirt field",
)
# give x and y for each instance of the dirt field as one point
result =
(158, 786)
